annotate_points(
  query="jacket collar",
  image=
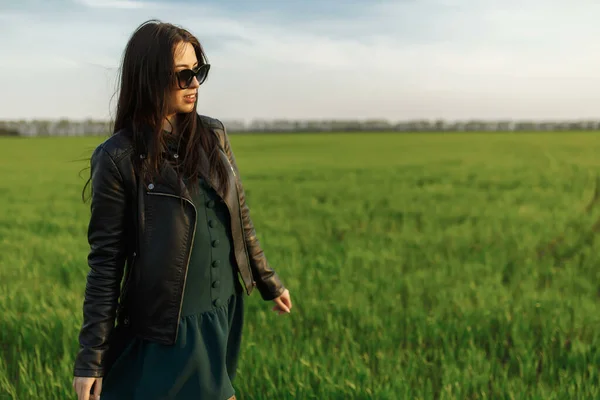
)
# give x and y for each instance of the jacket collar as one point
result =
(169, 181)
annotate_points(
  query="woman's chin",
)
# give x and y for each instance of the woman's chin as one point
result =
(186, 109)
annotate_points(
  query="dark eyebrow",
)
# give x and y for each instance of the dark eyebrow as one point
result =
(185, 65)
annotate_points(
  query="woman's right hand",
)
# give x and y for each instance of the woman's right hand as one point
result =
(83, 386)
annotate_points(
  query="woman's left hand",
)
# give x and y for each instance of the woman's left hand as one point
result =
(283, 303)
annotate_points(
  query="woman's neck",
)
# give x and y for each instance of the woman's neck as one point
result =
(169, 124)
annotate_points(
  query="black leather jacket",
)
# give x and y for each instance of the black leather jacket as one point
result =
(143, 233)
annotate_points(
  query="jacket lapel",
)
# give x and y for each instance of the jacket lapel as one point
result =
(173, 181)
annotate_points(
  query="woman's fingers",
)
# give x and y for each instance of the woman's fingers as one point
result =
(97, 389)
(287, 300)
(83, 392)
(83, 386)
(281, 305)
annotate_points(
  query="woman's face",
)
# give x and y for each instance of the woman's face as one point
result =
(184, 100)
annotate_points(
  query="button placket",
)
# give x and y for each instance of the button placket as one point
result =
(215, 242)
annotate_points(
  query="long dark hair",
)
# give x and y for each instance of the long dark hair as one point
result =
(146, 82)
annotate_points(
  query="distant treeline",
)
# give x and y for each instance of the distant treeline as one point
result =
(88, 127)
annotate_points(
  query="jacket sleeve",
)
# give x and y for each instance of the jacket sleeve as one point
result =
(268, 282)
(106, 260)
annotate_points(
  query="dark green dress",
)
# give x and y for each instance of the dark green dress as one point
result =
(202, 363)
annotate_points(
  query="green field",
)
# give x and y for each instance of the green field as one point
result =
(421, 266)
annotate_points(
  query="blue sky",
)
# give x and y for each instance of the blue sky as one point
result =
(397, 60)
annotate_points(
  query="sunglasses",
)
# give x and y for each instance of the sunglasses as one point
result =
(186, 76)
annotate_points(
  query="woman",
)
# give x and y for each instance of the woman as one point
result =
(168, 219)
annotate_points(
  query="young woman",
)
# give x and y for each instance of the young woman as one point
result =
(168, 219)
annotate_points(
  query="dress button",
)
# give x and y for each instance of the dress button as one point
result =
(216, 284)
(210, 204)
(217, 302)
(212, 223)
(215, 263)
(215, 243)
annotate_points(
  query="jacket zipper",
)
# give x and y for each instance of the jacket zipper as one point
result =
(126, 285)
(244, 236)
(242, 222)
(189, 254)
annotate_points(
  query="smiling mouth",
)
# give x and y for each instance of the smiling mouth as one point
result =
(190, 96)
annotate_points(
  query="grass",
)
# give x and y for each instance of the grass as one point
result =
(421, 266)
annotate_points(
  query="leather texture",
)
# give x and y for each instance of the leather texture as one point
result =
(140, 236)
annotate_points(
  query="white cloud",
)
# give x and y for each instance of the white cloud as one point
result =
(122, 4)
(399, 60)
